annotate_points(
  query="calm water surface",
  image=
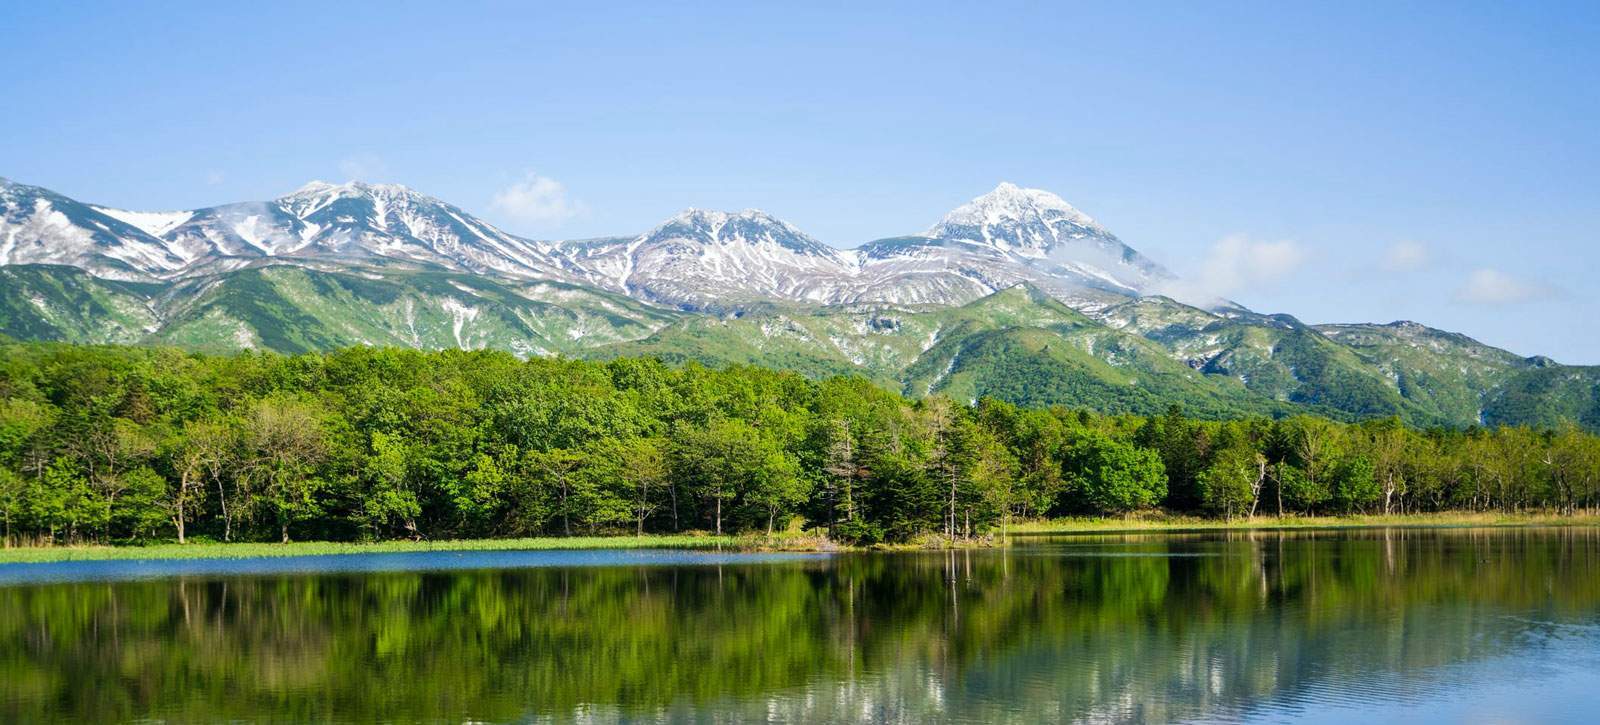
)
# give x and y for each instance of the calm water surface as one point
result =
(1386, 625)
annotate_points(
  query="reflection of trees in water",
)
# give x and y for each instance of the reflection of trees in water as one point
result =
(1109, 626)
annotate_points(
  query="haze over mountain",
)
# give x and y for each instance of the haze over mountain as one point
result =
(1016, 294)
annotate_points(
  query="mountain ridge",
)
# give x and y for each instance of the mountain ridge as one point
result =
(691, 260)
(977, 306)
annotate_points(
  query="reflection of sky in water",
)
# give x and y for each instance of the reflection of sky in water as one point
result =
(1549, 678)
(1551, 675)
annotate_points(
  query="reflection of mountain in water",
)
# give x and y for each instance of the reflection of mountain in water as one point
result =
(1134, 627)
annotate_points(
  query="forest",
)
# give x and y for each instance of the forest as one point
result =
(128, 445)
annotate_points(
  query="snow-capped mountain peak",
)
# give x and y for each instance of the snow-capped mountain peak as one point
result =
(317, 195)
(1040, 230)
(39, 226)
(750, 226)
(354, 186)
(706, 259)
(1013, 218)
(395, 221)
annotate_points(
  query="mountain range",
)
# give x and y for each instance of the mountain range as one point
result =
(1016, 294)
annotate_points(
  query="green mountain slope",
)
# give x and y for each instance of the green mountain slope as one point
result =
(1019, 344)
(67, 304)
(291, 308)
(1461, 381)
(1547, 397)
(1023, 346)
(1097, 368)
(1450, 376)
(878, 341)
(1281, 358)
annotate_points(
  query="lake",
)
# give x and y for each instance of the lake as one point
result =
(1423, 625)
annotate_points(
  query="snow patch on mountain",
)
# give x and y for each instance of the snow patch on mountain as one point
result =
(704, 258)
(154, 223)
(460, 315)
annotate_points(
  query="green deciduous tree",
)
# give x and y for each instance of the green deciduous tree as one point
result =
(1114, 477)
(1355, 484)
(389, 498)
(1231, 485)
(285, 442)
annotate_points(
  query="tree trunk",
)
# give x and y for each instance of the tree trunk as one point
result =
(644, 499)
(283, 526)
(950, 525)
(1261, 479)
(183, 490)
(566, 524)
(719, 513)
(227, 523)
(111, 502)
(1278, 488)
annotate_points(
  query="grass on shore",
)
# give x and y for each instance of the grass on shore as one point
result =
(245, 550)
(792, 540)
(1165, 522)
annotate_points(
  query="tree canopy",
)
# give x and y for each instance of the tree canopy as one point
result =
(115, 444)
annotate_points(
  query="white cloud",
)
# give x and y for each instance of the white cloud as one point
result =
(362, 167)
(537, 200)
(1488, 286)
(215, 178)
(1234, 264)
(1405, 256)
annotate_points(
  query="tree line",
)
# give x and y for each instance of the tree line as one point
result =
(114, 444)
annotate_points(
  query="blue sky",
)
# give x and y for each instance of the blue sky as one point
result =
(1435, 162)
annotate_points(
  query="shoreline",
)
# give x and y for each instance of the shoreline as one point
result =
(247, 550)
(789, 542)
(1184, 524)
